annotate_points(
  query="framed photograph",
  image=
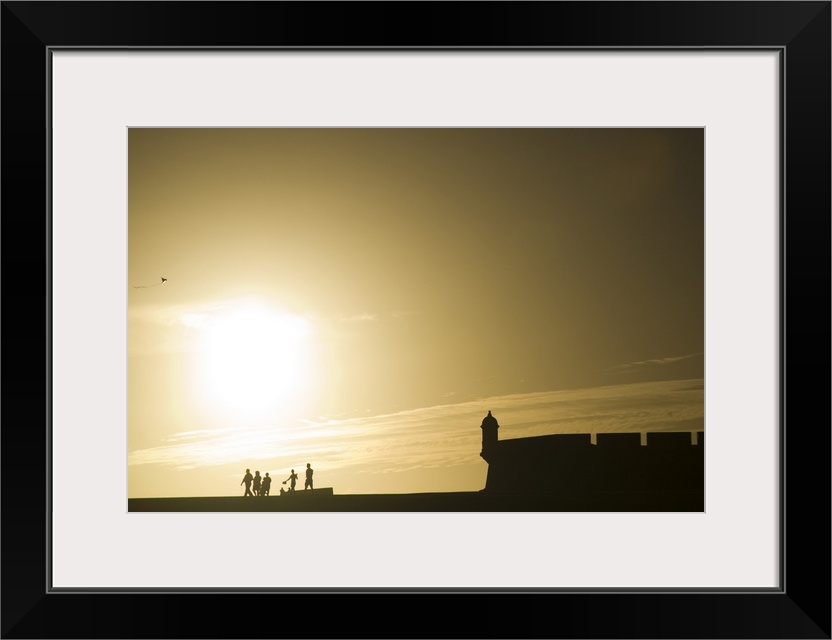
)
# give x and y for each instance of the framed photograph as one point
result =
(365, 297)
(487, 276)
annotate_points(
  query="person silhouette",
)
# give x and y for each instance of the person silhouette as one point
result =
(292, 479)
(247, 480)
(308, 484)
(267, 483)
(257, 483)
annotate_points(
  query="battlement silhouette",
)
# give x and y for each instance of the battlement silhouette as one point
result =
(573, 464)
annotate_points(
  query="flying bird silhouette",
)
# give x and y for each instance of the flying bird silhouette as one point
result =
(147, 286)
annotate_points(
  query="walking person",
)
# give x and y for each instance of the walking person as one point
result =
(257, 483)
(247, 480)
(292, 479)
(308, 484)
(267, 483)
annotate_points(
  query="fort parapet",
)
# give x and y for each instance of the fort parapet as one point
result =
(572, 464)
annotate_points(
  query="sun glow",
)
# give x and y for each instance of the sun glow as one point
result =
(253, 359)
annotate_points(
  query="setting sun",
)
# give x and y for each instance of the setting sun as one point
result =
(252, 359)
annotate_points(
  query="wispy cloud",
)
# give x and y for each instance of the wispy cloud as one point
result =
(172, 328)
(656, 362)
(180, 328)
(439, 436)
(376, 317)
(197, 434)
(360, 317)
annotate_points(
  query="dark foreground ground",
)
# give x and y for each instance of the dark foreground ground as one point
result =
(324, 501)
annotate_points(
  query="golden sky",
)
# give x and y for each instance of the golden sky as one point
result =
(360, 298)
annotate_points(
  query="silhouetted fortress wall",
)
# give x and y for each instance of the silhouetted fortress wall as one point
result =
(617, 462)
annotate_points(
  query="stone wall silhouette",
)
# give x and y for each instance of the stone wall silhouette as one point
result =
(569, 464)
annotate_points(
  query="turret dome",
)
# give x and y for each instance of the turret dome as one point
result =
(489, 421)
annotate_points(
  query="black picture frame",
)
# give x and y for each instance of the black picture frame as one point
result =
(799, 608)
